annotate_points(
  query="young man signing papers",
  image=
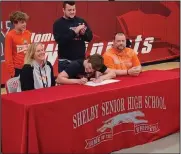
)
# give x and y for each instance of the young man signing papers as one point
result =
(81, 71)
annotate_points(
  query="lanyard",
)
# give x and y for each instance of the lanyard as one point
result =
(44, 84)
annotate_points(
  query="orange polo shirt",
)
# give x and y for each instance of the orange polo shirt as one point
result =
(123, 60)
(16, 45)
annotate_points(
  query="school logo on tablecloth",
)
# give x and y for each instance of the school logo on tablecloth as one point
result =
(121, 115)
(132, 121)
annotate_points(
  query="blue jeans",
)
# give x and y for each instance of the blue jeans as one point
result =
(62, 65)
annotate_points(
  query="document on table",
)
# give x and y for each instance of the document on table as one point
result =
(93, 84)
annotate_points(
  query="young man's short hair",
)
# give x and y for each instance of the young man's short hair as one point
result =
(68, 2)
(97, 61)
(18, 16)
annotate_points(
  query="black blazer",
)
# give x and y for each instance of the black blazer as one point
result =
(27, 80)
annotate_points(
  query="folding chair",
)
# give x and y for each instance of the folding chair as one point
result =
(13, 85)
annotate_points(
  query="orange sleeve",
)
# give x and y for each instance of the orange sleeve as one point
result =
(135, 60)
(30, 36)
(9, 55)
(108, 61)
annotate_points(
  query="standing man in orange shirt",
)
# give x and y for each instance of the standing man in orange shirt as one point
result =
(16, 43)
(122, 59)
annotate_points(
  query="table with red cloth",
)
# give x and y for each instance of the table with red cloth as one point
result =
(84, 119)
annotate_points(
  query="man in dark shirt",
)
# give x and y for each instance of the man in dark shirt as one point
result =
(80, 71)
(70, 32)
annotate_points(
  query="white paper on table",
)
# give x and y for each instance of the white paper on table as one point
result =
(91, 83)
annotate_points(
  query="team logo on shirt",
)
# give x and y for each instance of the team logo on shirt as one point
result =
(22, 48)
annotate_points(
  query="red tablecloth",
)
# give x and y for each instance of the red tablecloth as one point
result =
(83, 119)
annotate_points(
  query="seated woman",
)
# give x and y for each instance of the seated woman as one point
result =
(36, 72)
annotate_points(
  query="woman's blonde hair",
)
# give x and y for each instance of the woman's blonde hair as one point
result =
(29, 57)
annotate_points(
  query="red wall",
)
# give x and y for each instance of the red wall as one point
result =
(152, 26)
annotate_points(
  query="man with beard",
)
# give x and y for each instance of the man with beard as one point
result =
(70, 32)
(121, 59)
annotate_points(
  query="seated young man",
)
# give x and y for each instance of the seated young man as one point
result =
(121, 59)
(80, 71)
